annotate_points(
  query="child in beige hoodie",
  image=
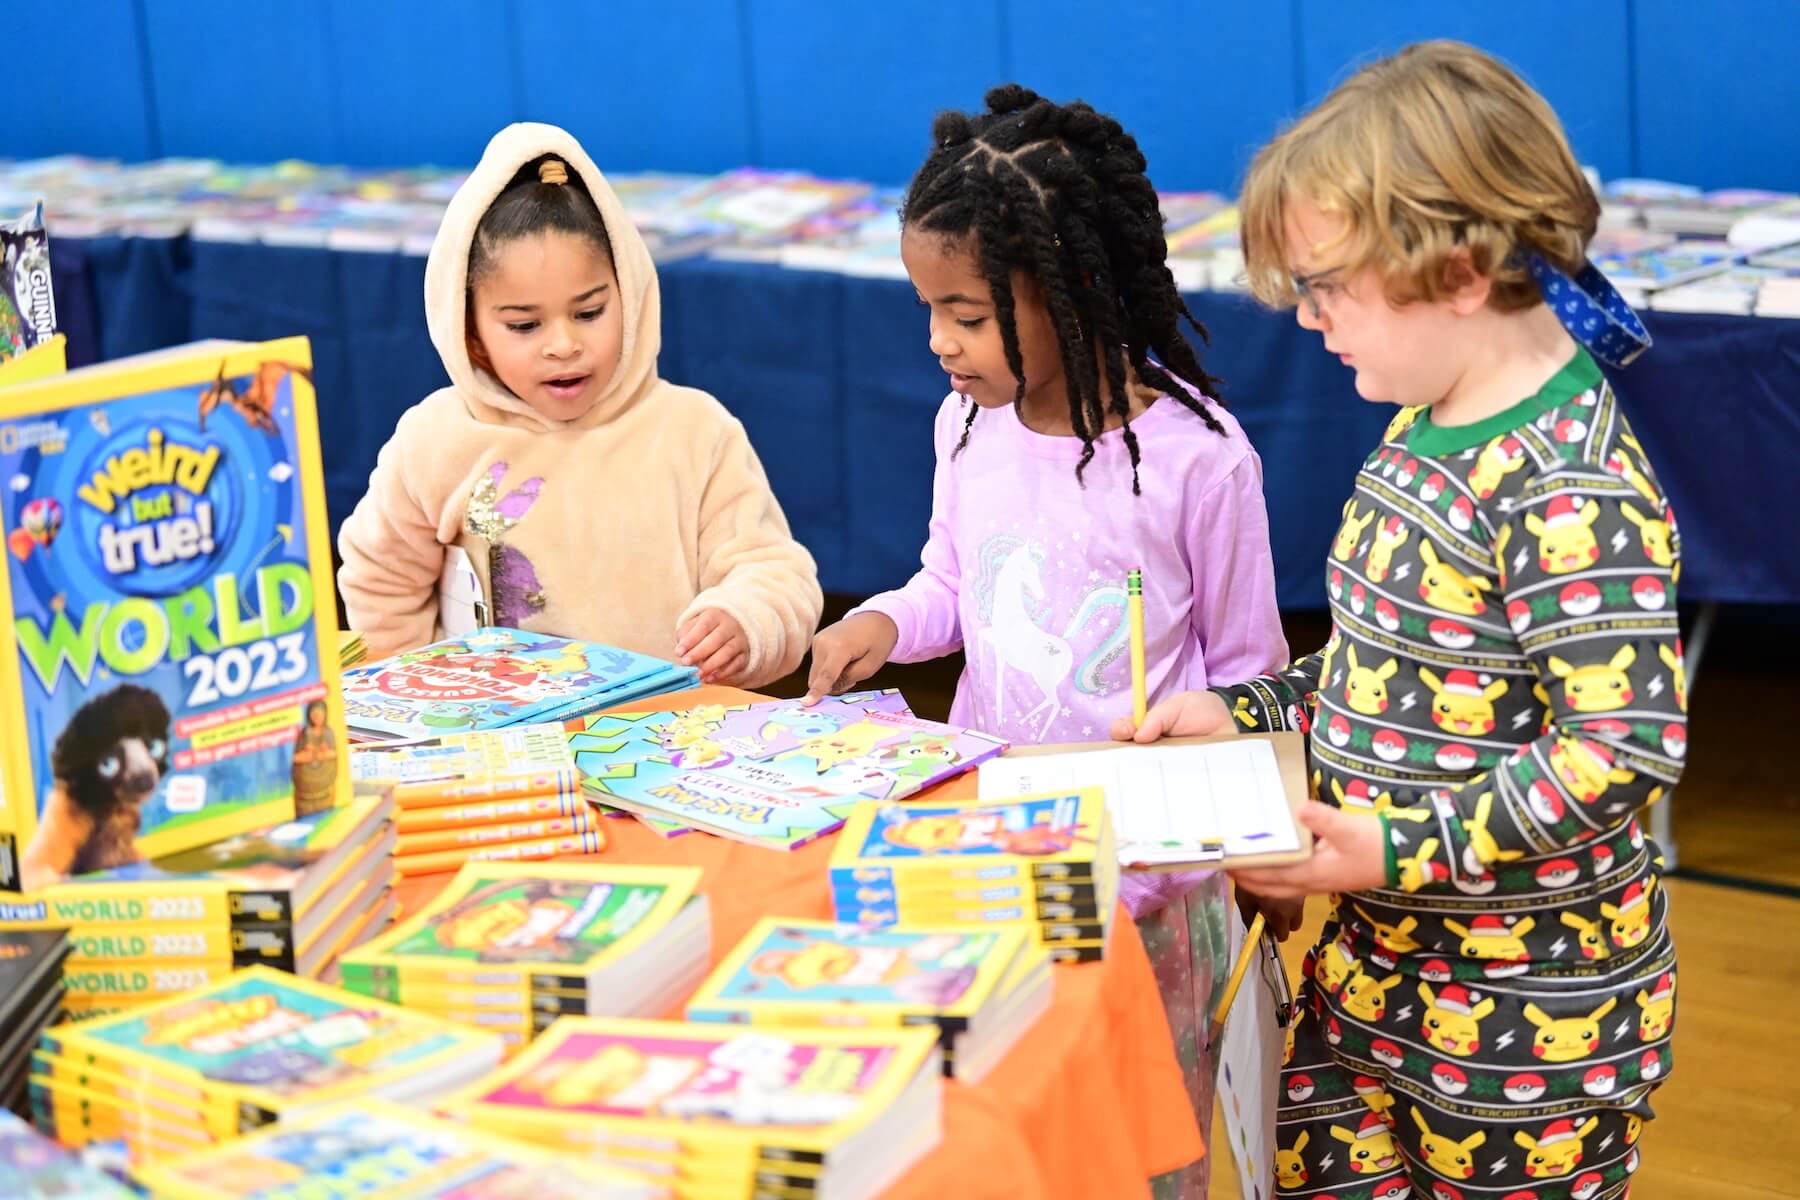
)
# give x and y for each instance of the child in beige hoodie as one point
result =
(593, 499)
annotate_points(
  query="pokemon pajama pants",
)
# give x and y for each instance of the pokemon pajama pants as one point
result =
(1517, 1088)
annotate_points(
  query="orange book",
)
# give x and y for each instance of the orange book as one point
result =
(427, 841)
(436, 793)
(493, 812)
(526, 851)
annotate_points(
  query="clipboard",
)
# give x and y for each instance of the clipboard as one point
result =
(1290, 764)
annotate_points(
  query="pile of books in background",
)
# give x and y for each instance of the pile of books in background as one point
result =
(1676, 249)
(1685, 250)
(293, 896)
(787, 217)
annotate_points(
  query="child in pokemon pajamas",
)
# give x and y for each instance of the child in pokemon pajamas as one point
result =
(1490, 1006)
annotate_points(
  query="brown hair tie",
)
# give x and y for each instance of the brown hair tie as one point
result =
(553, 171)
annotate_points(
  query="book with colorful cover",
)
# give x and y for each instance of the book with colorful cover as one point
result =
(776, 774)
(33, 1167)
(497, 677)
(555, 922)
(274, 873)
(168, 649)
(894, 843)
(366, 1144)
(799, 1090)
(271, 1042)
(489, 754)
(787, 972)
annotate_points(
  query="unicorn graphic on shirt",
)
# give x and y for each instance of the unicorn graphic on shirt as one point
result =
(1010, 592)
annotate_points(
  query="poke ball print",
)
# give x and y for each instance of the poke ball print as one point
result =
(1462, 514)
(1300, 1088)
(1456, 757)
(1518, 615)
(1600, 1081)
(1386, 1053)
(1337, 730)
(1649, 593)
(1436, 971)
(1546, 802)
(1432, 488)
(1390, 746)
(1580, 598)
(1449, 1079)
(1674, 740)
(1524, 1088)
(1386, 615)
(1558, 873)
(1452, 635)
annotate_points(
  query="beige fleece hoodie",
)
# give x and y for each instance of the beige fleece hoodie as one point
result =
(616, 526)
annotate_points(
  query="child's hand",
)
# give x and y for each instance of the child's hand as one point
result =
(848, 653)
(1191, 714)
(1280, 917)
(715, 644)
(1348, 856)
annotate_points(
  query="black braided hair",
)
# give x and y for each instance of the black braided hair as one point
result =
(1059, 191)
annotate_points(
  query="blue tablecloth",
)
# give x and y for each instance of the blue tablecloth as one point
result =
(832, 378)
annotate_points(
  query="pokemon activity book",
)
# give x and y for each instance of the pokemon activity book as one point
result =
(168, 643)
(776, 774)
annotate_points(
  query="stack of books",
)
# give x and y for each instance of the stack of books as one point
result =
(715, 1111)
(31, 998)
(189, 1072)
(32, 1167)
(351, 648)
(1047, 864)
(776, 774)
(502, 795)
(1738, 290)
(511, 948)
(292, 896)
(494, 678)
(981, 989)
(370, 1147)
(1640, 273)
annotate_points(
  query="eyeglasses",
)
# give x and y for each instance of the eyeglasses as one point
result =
(1316, 291)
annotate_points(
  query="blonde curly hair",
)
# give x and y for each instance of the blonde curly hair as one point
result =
(1436, 149)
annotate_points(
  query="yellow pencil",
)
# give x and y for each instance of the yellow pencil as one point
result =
(1252, 944)
(1134, 602)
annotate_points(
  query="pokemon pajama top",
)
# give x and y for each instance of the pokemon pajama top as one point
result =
(1503, 690)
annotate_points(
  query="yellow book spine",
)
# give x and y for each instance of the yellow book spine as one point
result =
(493, 812)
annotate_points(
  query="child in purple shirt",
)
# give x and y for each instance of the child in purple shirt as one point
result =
(1078, 442)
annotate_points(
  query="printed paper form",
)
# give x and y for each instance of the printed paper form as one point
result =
(1169, 804)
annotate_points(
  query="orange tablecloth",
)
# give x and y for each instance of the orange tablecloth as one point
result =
(1089, 1103)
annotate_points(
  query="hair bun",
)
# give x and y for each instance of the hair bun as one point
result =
(553, 170)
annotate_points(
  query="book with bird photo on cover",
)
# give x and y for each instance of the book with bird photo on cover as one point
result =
(168, 648)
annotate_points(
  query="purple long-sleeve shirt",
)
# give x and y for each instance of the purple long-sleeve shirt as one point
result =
(1024, 570)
